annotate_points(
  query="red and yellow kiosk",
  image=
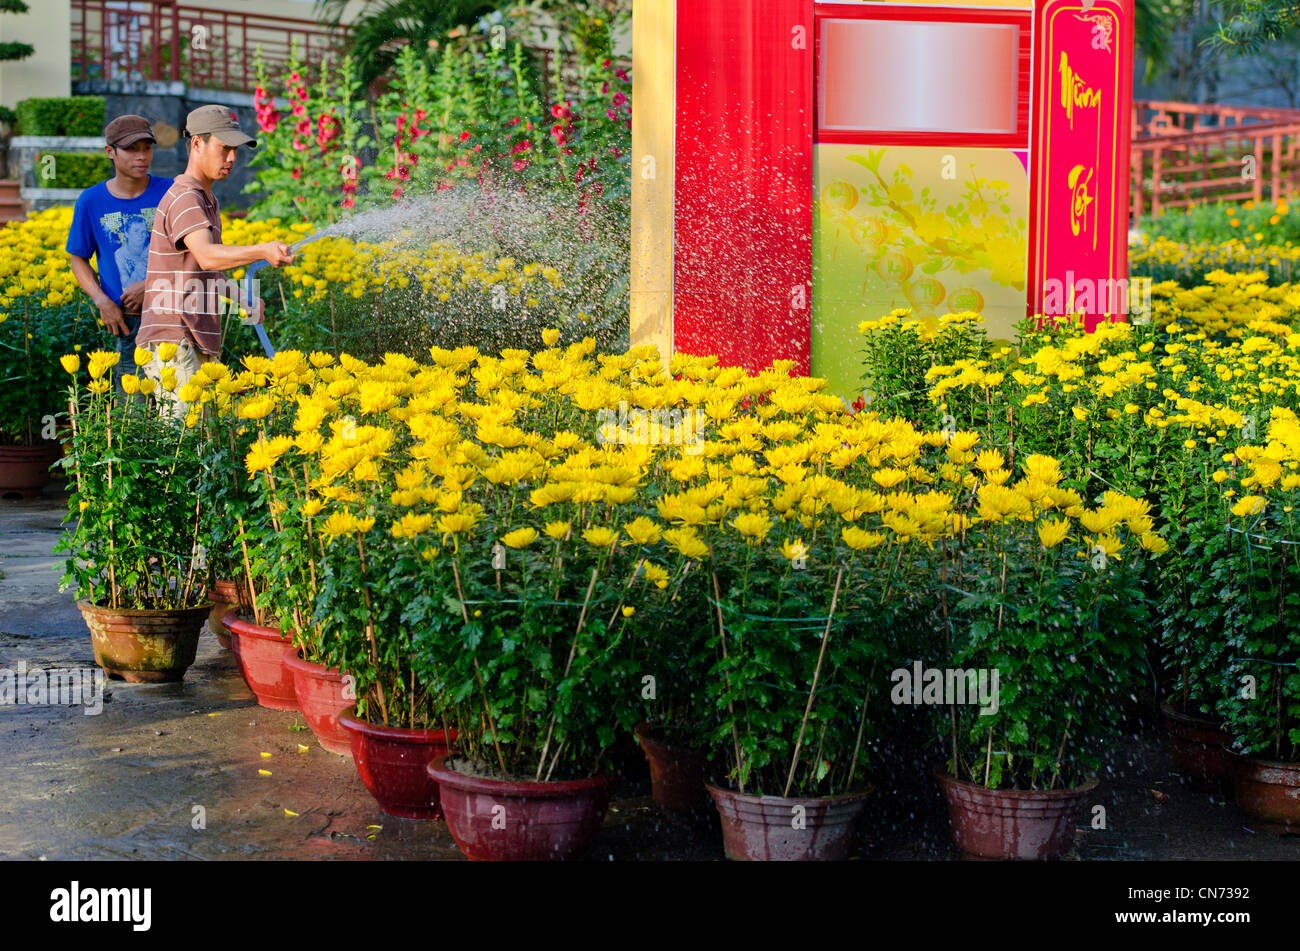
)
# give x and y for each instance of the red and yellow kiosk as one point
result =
(801, 166)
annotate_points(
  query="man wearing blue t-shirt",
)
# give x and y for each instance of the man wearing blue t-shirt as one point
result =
(112, 222)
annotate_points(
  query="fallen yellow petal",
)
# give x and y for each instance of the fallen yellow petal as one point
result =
(303, 749)
(217, 714)
(371, 836)
(266, 756)
(264, 772)
(374, 827)
(290, 812)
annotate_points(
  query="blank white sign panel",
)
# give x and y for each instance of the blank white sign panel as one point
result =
(904, 76)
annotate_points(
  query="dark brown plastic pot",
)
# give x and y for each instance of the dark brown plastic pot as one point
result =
(224, 596)
(144, 646)
(320, 692)
(1269, 792)
(1013, 823)
(499, 821)
(1200, 747)
(392, 762)
(260, 654)
(676, 773)
(780, 829)
(25, 470)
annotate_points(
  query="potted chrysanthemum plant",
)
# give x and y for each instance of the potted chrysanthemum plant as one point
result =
(132, 527)
(1045, 625)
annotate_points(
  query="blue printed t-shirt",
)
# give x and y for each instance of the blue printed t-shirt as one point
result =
(115, 231)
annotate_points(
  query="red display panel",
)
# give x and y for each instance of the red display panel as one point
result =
(742, 265)
(1079, 201)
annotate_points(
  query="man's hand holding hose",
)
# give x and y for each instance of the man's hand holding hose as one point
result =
(277, 254)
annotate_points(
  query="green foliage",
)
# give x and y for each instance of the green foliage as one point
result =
(1257, 223)
(1064, 636)
(70, 115)
(32, 385)
(74, 169)
(1261, 690)
(11, 51)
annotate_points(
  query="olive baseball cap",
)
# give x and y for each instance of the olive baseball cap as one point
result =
(222, 122)
(127, 130)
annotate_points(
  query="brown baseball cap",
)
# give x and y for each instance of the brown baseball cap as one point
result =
(127, 130)
(222, 122)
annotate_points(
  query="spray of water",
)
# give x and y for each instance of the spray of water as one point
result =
(588, 248)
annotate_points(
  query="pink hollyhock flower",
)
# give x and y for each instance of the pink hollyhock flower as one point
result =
(521, 164)
(295, 78)
(619, 99)
(397, 192)
(299, 109)
(612, 114)
(464, 136)
(349, 202)
(299, 144)
(622, 74)
(296, 174)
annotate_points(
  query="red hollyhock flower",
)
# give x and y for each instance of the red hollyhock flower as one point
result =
(464, 136)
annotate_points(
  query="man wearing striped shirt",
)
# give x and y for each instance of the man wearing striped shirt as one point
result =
(186, 293)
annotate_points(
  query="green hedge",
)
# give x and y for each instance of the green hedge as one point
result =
(74, 170)
(70, 115)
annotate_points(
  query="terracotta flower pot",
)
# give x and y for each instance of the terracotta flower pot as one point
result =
(320, 692)
(260, 654)
(392, 763)
(780, 829)
(1269, 792)
(1012, 823)
(224, 596)
(144, 646)
(676, 773)
(500, 821)
(25, 470)
(1200, 747)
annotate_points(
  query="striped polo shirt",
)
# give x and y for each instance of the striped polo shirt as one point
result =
(183, 303)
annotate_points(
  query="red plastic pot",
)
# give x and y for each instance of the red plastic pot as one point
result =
(1269, 792)
(392, 762)
(793, 829)
(25, 470)
(500, 821)
(143, 646)
(322, 696)
(260, 654)
(1200, 747)
(676, 773)
(224, 596)
(1013, 823)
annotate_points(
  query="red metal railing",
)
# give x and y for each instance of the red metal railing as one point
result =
(205, 48)
(1187, 154)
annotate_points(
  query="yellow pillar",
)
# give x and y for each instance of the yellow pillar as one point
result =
(653, 108)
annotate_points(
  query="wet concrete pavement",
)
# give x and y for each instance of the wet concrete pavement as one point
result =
(175, 771)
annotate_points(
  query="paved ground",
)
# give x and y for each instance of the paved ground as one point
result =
(134, 781)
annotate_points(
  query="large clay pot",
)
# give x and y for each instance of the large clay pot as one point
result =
(260, 654)
(25, 470)
(392, 762)
(676, 773)
(1012, 823)
(321, 698)
(1269, 792)
(144, 646)
(781, 829)
(1200, 747)
(224, 596)
(501, 821)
